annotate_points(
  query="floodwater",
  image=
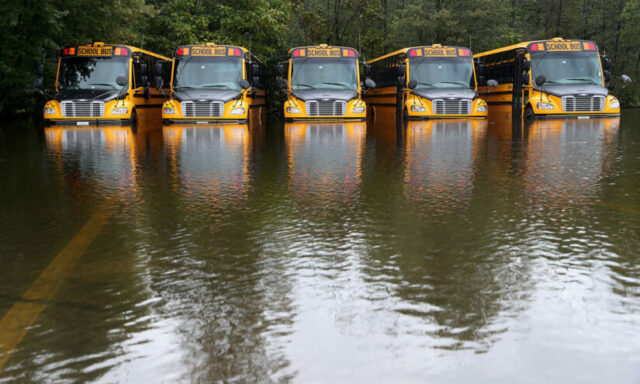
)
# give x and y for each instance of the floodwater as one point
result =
(452, 251)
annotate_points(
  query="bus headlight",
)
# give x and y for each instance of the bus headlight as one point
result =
(358, 110)
(49, 111)
(482, 108)
(293, 110)
(615, 104)
(237, 111)
(545, 106)
(417, 108)
(120, 111)
(169, 111)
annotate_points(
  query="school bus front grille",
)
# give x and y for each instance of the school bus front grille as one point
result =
(452, 106)
(583, 103)
(326, 108)
(202, 108)
(82, 108)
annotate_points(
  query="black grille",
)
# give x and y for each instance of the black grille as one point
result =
(202, 109)
(326, 108)
(583, 103)
(82, 108)
(452, 107)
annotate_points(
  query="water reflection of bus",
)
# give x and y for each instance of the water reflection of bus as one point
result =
(325, 159)
(105, 160)
(212, 162)
(565, 158)
(440, 157)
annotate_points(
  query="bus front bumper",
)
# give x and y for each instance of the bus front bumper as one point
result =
(84, 122)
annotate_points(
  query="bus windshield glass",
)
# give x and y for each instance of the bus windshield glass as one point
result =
(208, 72)
(442, 72)
(91, 73)
(567, 67)
(317, 73)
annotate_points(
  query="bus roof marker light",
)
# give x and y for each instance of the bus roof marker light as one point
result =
(413, 52)
(464, 52)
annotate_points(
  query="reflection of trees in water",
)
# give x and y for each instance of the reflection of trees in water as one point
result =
(458, 271)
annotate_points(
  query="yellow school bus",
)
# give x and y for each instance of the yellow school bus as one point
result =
(322, 82)
(211, 82)
(555, 77)
(426, 82)
(103, 84)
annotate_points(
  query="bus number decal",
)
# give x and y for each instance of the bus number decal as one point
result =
(95, 51)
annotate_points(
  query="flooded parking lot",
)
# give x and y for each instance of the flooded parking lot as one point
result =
(449, 251)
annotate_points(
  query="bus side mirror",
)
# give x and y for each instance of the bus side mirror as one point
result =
(255, 68)
(480, 69)
(492, 83)
(244, 84)
(626, 79)
(367, 70)
(121, 81)
(526, 65)
(144, 71)
(282, 83)
(159, 68)
(280, 70)
(256, 80)
(413, 83)
(606, 63)
(607, 76)
(402, 69)
(38, 83)
(159, 83)
(401, 81)
(482, 80)
(369, 83)
(540, 80)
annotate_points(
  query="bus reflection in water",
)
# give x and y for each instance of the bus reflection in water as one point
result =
(566, 159)
(439, 161)
(325, 160)
(211, 164)
(105, 161)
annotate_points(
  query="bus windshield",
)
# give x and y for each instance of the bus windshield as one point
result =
(316, 73)
(442, 72)
(208, 72)
(90, 73)
(567, 67)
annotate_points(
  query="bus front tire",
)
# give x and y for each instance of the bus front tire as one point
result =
(133, 120)
(529, 114)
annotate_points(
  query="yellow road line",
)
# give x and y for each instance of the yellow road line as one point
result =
(16, 322)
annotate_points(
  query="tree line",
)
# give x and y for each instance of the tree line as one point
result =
(35, 30)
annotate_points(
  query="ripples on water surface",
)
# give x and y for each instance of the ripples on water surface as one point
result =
(333, 252)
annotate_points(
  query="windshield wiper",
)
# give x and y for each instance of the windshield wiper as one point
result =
(304, 85)
(111, 85)
(183, 87)
(427, 84)
(217, 86)
(453, 82)
(343, 85)
(590, 80)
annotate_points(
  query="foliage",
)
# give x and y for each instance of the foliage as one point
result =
(34, 30)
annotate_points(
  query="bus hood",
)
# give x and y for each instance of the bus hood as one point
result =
(223, 95)
(331, 94)
(573, 89)
(89, 94)
(445, 93)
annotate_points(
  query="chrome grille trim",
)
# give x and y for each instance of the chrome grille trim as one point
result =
(72, 108)
(326, 107)
(452, 106)
(202, 108)
(582, 103)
